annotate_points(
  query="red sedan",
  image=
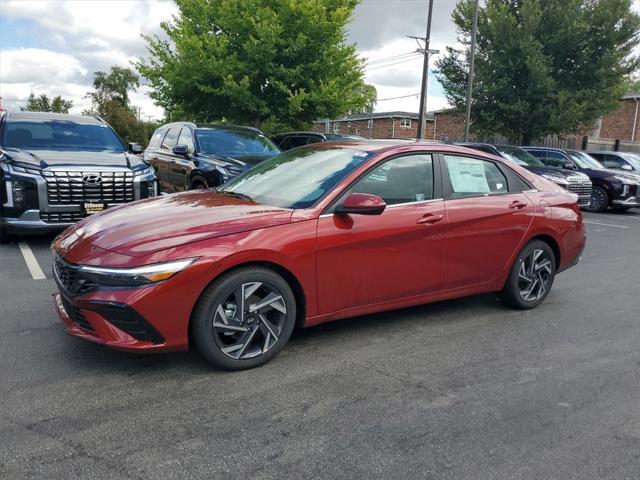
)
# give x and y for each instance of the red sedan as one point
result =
(315, 234)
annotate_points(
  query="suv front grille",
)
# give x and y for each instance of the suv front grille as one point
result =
(580, 187)
(62, 217)
(72, 280)
(69, 188)
(76, 315)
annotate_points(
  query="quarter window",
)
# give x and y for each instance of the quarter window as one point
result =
(472, 177)
(401, 180)
(156, 138)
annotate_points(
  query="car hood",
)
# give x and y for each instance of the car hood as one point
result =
(606, 173)
(148, 226)
(45, 158)
(556, 172)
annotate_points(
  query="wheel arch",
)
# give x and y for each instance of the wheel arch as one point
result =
(286, 274)
(553, 244)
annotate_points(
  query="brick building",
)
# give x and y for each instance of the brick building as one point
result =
(622, 124)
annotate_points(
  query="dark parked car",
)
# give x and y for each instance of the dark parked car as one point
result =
(187, 156)
(287, 141)
(573, 181)
(629, 162)
(56, 169)
(611, 188)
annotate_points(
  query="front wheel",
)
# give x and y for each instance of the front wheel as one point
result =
(531, 276)
(244, 318)
(599, 200)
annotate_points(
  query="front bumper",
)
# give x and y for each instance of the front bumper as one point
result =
(629, 202)
(30, 222)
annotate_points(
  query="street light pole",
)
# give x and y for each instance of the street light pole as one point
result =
(422, 115)
(474, 31)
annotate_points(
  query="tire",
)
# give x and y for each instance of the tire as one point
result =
(4, 235)
(599, 200)
(534, 266)
(198, 183)
(220, 332)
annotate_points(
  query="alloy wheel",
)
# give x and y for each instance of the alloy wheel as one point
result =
(249, 321)
(598, 200)
(534, 276)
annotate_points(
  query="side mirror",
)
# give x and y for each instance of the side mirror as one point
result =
(181, 150)
(627, 167)
(361, 204)
(136, 148)
(569, 166)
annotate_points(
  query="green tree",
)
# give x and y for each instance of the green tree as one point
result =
(542, 66)
(110, 101)
(274, 64)
(42, 103)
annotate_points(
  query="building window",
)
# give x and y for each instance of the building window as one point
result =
(357, 131)
(405, 122)
(348, 124)
(336, 127)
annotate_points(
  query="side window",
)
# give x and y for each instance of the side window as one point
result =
(401, 180)
(539, 154)
(297, 141)
(156, 138)
(185, 138)
(556, 160)
(170, 138)
(611, 161)
(472, 177)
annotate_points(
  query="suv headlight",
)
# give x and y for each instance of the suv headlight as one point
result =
(142, 171)
(559, 180)
(137, 276)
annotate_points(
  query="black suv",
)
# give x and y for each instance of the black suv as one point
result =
(572, 181)
(287, 141)
(611, 188)
(56, 169)
(629, 162)
(188, 156)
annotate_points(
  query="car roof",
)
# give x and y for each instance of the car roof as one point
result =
(213, 126)
(376, 146)
(45, 116)
(319, 134)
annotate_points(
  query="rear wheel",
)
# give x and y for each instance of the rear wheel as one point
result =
(599, 200)
(531, 276)
(244, 318)
(198, 183)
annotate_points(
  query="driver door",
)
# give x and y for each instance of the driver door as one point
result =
(363, 260)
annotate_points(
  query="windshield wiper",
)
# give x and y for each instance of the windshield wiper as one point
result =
(236, 194)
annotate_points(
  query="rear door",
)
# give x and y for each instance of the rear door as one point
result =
(488, 215)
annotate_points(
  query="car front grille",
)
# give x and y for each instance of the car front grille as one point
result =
(71, 279)
(76, 315)
(62, 217)
(579, 186)
(76, 187)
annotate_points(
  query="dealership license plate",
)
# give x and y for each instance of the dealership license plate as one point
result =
(93, 207)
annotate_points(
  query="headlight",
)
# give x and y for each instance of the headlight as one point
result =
(558, 180)
(627, 180)
(142, 171)
(223, 171)
(32, 171)
(145, 275)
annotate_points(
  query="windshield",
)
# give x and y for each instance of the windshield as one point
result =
(297, 178)
(584, 161)
(520, 156)
(633, 159)
(229, 143)
(60, 135)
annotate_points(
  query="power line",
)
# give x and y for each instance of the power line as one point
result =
(377, 67)
(397, 98)
(395, 57)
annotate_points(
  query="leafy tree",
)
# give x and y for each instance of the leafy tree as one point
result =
(542, 66)
(42, 103)
(110, 101)
(268, 63)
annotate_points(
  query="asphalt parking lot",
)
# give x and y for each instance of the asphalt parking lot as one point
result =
(460, 389)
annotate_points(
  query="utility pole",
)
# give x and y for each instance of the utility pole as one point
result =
(422, 115)
(474, 31)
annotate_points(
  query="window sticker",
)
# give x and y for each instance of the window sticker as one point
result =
(468, 175)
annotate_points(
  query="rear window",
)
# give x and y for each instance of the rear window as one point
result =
(60, 135)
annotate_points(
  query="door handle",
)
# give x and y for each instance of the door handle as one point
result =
(517, 205)
(429, 219)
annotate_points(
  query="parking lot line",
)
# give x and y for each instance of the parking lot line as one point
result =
(30, 260)
(606, 224)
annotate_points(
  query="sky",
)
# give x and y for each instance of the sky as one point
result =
(55, 46)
